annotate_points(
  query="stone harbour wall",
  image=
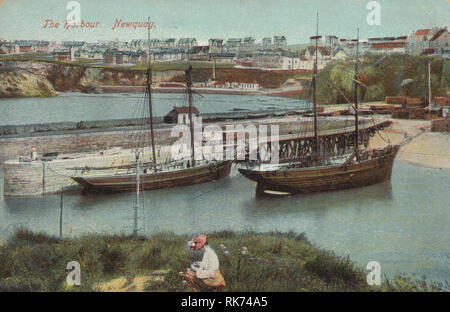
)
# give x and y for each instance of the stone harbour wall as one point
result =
(35, 178)
(73, 143)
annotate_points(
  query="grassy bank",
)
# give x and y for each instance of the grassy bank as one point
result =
(274, 262)
(156, 66)
(393, 75)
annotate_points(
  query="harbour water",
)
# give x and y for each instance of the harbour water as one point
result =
(402, 224)
(75, 107)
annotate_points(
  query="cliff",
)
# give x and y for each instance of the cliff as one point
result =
(21, 83)
(43, 79)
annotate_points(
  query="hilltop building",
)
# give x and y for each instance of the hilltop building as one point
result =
(186, 43)
(266, 42)
(388, 45)
(276, 59)
(249, 42)
(63, 55)
(215, 45)
(279, 41)
(234, 42)
(429, 41)
(440, 43)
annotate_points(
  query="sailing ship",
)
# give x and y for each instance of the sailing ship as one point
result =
(157, 175)
(319, 172)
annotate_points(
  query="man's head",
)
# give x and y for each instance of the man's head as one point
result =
(198, 242)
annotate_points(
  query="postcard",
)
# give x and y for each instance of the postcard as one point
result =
(214, 146)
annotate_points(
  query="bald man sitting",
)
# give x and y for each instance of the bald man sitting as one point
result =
(204, 273)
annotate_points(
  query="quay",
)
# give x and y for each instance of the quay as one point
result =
(61, 154)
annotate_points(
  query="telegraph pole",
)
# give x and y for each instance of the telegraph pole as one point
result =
(429, 88)
(136, 206)
(61, 215)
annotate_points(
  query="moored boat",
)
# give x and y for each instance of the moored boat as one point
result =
(294, 178)
(156, 180)
(319, 172)
(155, 175)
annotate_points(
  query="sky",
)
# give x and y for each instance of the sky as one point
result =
(204, 19)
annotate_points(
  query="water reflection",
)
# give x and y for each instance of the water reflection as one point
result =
(346, 199)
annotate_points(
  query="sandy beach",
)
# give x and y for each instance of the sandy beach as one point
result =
(422, 147)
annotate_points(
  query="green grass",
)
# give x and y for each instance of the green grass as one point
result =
(275, 262)
(158, 66)
(41, 58)
(298, 47)
(161, 66)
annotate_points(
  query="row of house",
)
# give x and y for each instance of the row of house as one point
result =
(435, 41)
(24, 46)
(430, 41)
(217, 43)
(271, 53)
(304, 60)
(116, 57)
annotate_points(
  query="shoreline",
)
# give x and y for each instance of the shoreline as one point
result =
(280, 92)
(427, 149)
(277, 92)
(127, 263)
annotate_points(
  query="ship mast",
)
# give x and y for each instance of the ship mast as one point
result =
(355, 84)
(136, 206)
(316, 128)
(191, 122)
(149, 90)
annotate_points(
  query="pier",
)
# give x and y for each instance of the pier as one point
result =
(88, 148)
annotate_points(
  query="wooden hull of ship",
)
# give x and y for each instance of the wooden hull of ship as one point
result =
(321, 179)
(156, 180)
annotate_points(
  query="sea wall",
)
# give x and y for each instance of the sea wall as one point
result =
(8, 130)
(35, 178)
(89, 140)
(23, 179)
(73, 143)
(11, 130)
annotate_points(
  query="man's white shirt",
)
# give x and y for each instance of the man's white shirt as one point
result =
(208, 266)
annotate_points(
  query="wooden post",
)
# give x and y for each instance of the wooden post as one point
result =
(135, 228)
(429, 88)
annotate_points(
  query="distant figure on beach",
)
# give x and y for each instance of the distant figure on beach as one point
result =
(204, 273)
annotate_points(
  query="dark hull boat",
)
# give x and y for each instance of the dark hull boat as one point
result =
(149, 179)
(156, 180)
(319, 172)
(375, 169)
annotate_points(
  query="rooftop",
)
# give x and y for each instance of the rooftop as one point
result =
(422, 32)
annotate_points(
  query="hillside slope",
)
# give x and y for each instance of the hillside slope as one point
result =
(20, 83)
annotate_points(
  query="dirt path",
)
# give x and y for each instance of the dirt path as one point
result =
(137, 284)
